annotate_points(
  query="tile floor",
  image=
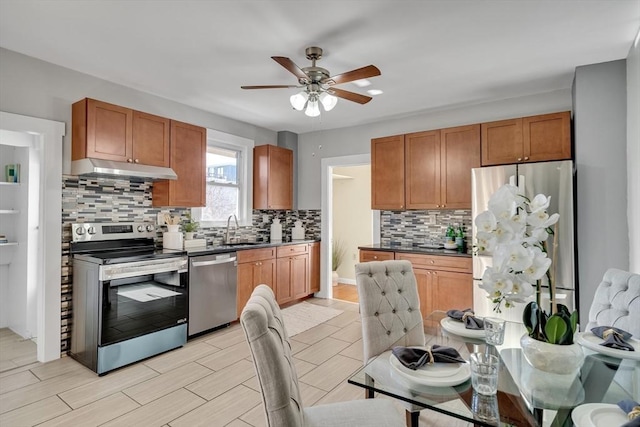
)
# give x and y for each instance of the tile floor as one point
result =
(208, 382)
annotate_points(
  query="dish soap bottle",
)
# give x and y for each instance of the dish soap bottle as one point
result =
(460, 238)
(297, 232)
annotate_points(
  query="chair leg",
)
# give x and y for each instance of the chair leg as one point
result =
(412, 418)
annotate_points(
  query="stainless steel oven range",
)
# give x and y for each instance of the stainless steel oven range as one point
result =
(130, 300)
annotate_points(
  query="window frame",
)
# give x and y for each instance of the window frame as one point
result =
(244, 146)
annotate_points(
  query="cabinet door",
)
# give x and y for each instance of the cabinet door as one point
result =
(501, 142)
(423, 279)
(252, 274)
(451, 290)
(272, 177)
(300, 276)
(283, 278)
(109, 130)
(387, 173)
(547, 137)
(151, 136)
(314, 267)
(422, 170)
(188, 160)
(460, 152)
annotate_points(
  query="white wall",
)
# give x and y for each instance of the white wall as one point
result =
(36, 88)
(315, 146)
(600, 132)
(352, 215)
(633, 154)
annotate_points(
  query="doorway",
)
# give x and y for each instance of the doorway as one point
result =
(328, 167)
(40, 246)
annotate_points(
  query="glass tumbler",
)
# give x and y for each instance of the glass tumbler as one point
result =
(494, 330)
(484, 373)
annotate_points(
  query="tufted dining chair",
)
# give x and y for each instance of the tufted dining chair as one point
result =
(266, 334)
(390, 312)
(617, 302)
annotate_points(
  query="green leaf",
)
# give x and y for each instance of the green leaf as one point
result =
(574, 322)
(555, 328)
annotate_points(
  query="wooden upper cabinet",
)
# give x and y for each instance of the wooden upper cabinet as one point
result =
(151, 138)
(460, 152)
(272, 177)
(547, 137)
(188, 160)
(502, 142)
(528, 139)
(388, 173)
(422, 170)
(101, 131)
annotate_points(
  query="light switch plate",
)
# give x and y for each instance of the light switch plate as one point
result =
(431, 219)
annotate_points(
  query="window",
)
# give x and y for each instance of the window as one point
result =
(229, 180)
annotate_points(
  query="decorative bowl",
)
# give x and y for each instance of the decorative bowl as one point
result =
(448, 245)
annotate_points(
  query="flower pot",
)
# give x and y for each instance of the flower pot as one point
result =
(188, 235)
(334, 277)
(553, 358)
(173, 228)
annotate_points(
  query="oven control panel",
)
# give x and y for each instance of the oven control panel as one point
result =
(82, 232)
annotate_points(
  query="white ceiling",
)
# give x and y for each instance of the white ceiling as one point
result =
(432, 54)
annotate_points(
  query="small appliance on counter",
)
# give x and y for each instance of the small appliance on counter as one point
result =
(297, 232)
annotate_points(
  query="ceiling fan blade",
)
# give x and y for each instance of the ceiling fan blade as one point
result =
(268, 87)
(350, 96)
(291, 67)
(349, 76)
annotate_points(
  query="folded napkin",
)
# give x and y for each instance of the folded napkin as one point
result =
(632, 409)
(466, 316)
(613, 337)
(414, 358)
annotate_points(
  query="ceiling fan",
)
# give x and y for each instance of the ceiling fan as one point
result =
(318, 85)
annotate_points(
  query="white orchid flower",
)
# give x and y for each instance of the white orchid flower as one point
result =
(504, 202)
(496, 282)
(486, 242)
(486, 222)
(540, 202)
(538, 267)
(536, 235)
(520, 291)
(513, 255)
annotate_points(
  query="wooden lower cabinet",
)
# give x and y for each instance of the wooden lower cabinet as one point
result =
(444, 282)
(314, 267)
(292, 272)
(255, 267)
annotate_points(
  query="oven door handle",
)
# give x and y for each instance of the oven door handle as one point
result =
(214, 262)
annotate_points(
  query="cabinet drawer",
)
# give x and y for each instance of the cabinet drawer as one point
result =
(251, 255)
(288, 250)
(450, 263)
(366, 256)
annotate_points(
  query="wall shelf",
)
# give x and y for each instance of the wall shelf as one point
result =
(9, 184)
(9, 244)
(9, 211)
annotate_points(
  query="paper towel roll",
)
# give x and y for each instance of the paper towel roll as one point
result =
(172, 240)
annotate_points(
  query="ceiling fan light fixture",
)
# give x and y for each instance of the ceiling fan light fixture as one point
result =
(313, 109)
(328, 101)
(299, 100)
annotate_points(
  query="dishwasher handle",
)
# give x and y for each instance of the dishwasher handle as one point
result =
(213, 262)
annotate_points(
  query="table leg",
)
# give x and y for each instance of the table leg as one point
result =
(368, 394)
(412, 418)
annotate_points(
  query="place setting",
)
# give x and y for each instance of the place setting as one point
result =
(625, 413)
(435, 366)
(610, 341)
(464, 323)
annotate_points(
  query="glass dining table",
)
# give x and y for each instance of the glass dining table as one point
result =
(526, 396)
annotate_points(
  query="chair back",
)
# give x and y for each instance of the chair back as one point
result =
(389, 306)
(264, 328)
(617, 302)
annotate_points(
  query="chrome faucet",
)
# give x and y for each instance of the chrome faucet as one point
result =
(226, 236)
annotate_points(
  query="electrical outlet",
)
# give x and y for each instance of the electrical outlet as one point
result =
(160, 219)
(431, 219)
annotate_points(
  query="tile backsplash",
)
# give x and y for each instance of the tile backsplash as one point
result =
(407, 228)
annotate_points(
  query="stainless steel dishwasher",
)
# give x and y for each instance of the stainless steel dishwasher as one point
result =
(212, 291)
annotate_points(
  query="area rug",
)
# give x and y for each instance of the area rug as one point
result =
(303, 316)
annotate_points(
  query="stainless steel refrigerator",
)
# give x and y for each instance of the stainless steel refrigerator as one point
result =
(555, 179)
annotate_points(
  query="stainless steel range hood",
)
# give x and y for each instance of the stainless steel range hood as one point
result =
(109, 168)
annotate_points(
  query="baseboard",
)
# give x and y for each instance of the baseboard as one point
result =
(343, 281)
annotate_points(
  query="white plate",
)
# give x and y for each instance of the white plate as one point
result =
(458, 328)
(436, 375)
(598, 415)
(589, 340)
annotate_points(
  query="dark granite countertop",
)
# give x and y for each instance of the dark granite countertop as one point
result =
(210, 249)
(414, 249)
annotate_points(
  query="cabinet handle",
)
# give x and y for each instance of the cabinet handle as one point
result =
(435, 273)
(526, 157)
(375, 257)
(129, 160)
(519, 159)
(136, 161)
(442, 206)
(402, 206)
(432, 262)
